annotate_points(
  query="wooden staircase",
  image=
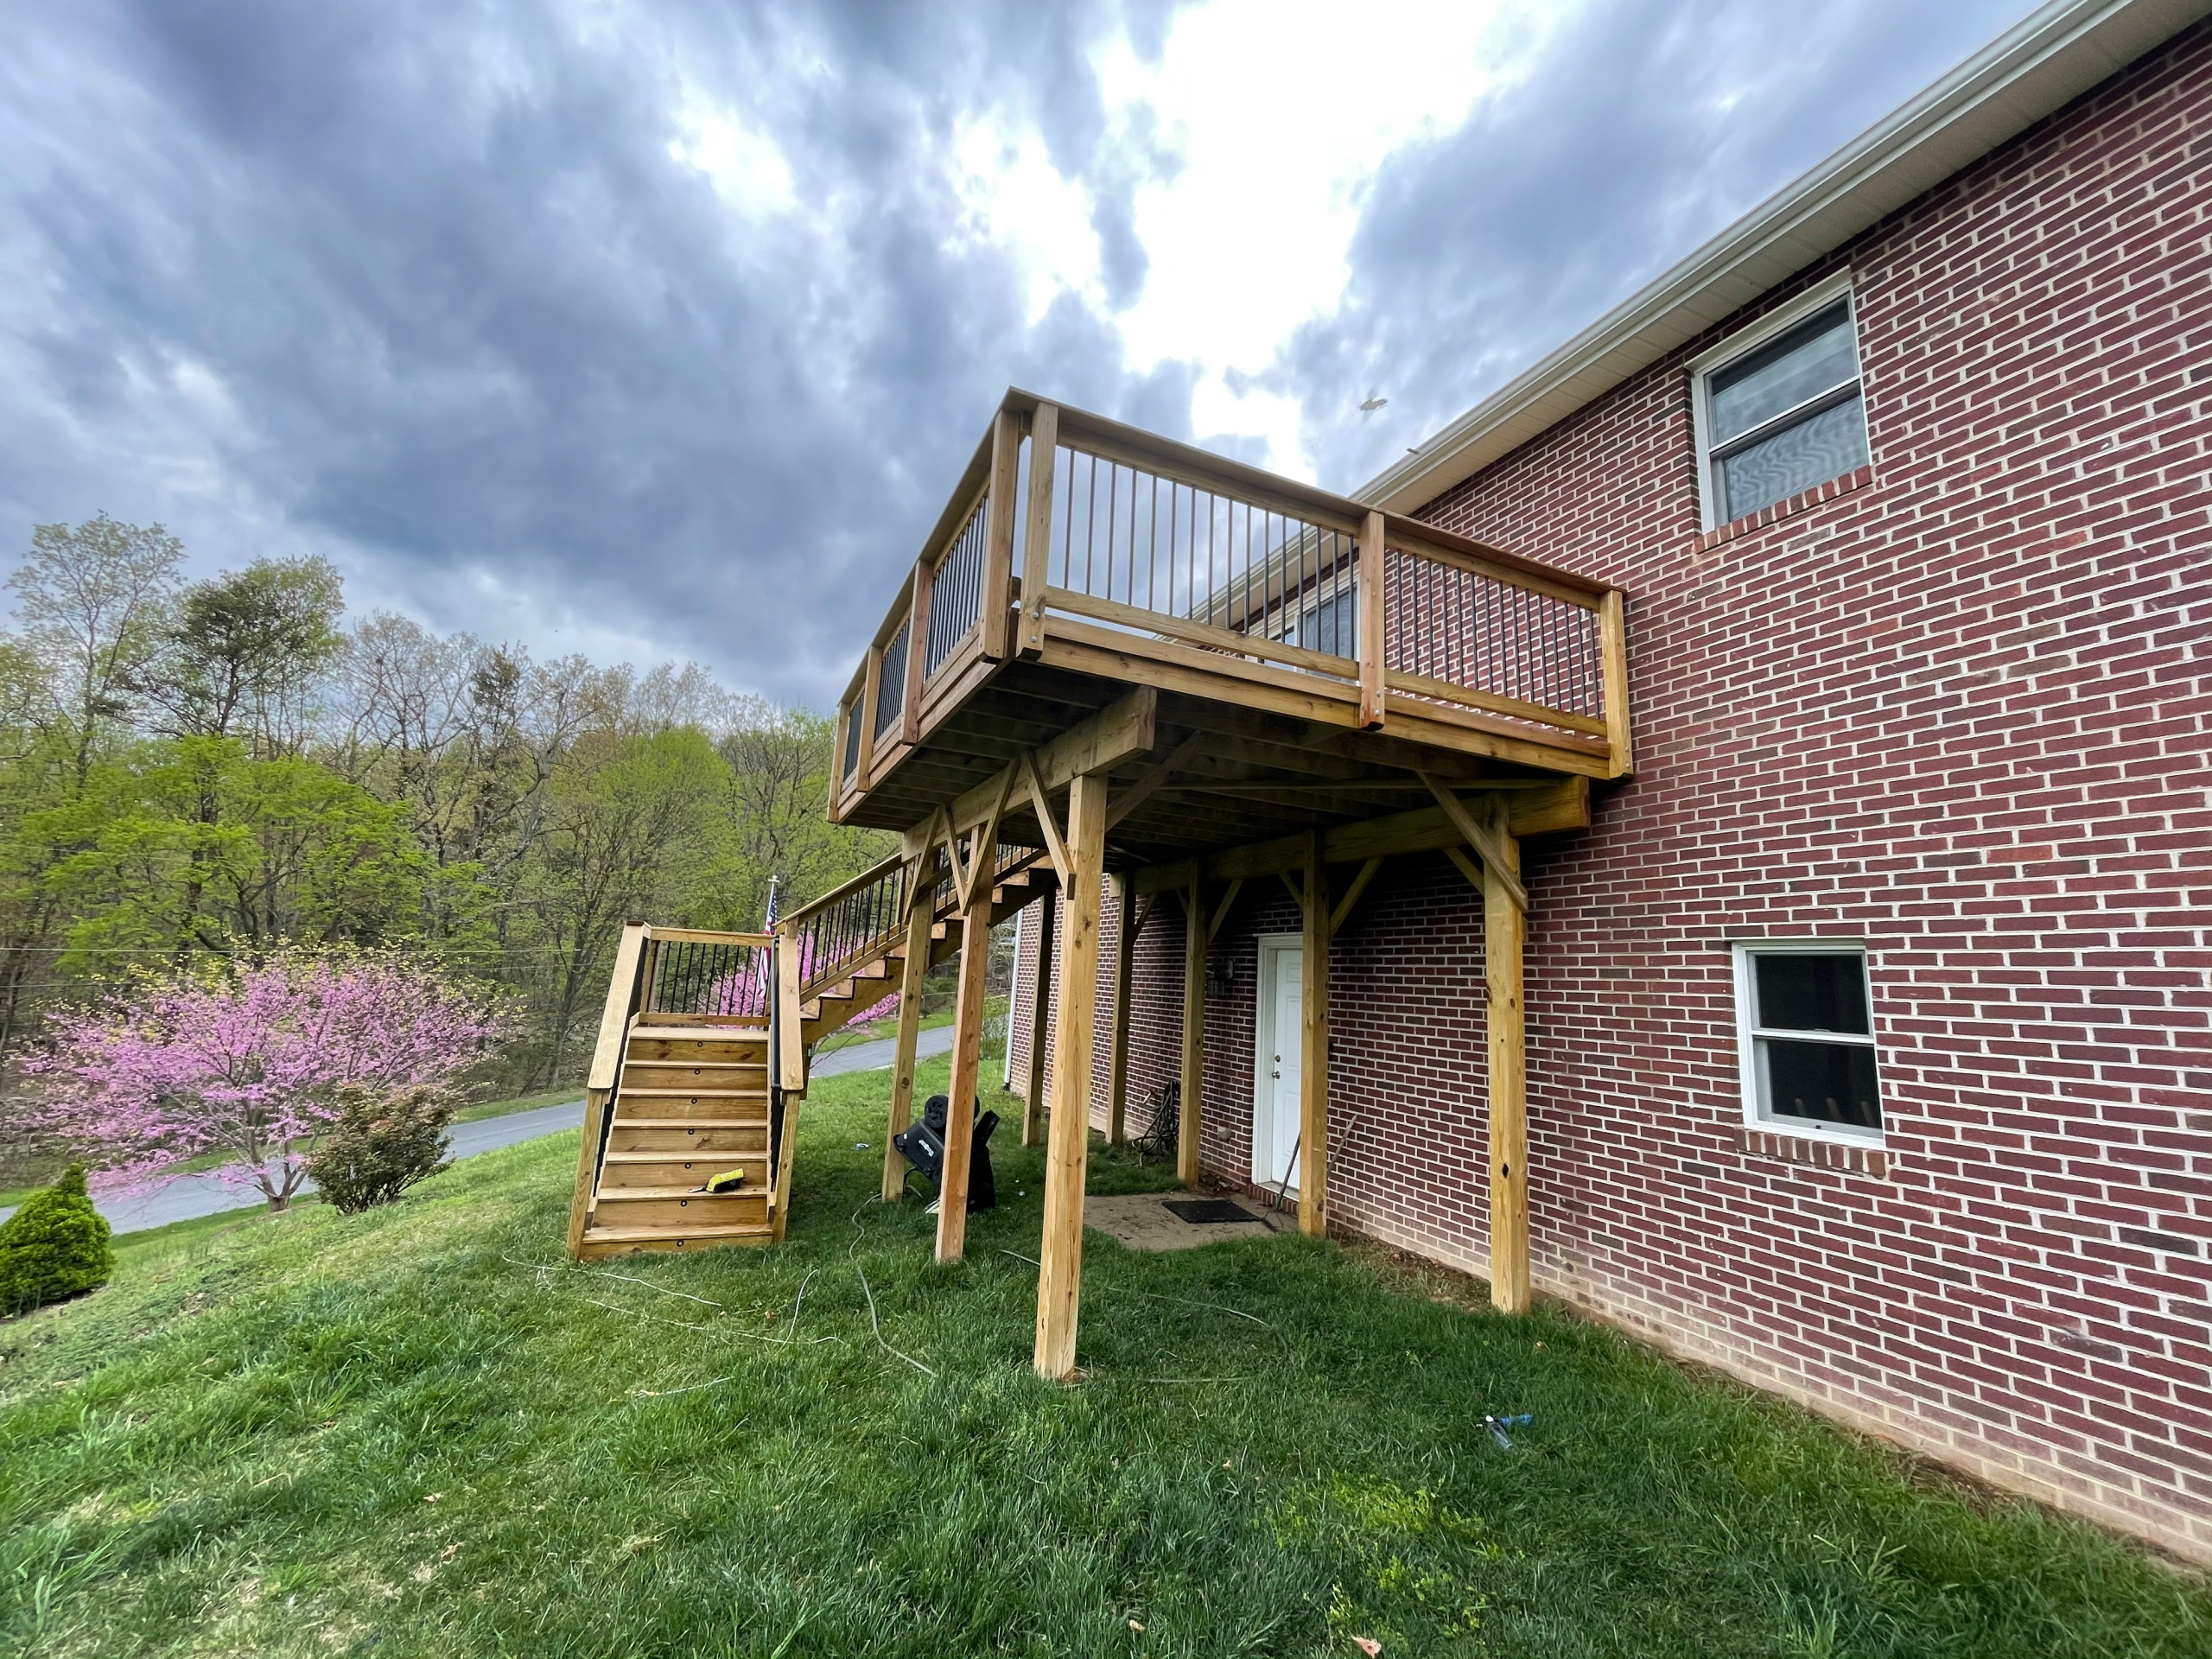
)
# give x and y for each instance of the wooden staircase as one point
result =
(704, 1048)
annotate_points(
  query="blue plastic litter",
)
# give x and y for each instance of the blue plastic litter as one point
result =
(1498, 1425)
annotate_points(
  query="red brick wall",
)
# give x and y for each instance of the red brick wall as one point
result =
(1956, 708)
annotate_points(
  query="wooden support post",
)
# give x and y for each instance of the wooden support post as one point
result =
(871, 691)
(1366, 619)
(1040, 1010)
(1196, 934)
(1504, 931)
(912, 972)
(967, 1050)
(1060, 1277)
(1313, 1057)
(1117, 1088)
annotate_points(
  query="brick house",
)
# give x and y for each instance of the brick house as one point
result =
(1866, 1020)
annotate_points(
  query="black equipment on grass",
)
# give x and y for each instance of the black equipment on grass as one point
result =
(922, 1145)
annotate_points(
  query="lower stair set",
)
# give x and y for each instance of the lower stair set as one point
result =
(698, 1029)
(692, 1104)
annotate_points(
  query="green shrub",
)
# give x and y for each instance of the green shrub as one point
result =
(380, 1145)
(55, 1246)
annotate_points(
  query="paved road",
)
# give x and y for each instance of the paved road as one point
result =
(188, 1196)
(875, 1055)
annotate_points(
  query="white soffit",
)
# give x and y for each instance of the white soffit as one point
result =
(2037, 67)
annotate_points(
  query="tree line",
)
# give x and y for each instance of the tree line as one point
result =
(216, 768)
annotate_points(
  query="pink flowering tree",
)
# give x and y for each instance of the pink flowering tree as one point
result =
(744, 992)
(255, 1060)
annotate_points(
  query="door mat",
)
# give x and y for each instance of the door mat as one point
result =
(1206, 1211)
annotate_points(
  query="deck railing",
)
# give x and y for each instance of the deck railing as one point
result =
(1094, 533)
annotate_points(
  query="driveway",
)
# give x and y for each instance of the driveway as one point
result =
(186, 1197)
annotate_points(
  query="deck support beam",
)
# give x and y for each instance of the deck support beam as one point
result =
(1313, 1057)
(1196, 936)
(912, 972)
(1505, 926)
(1060, 1273)
(1041, 1012)
(1125, 961)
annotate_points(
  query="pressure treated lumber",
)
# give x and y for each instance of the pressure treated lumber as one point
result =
(1033, 1095)
(1061, 1275)
(1196, 936)
(1505, 924)
(1125, 961)
(967, 1058)
(1313, 1057)
(912, 972)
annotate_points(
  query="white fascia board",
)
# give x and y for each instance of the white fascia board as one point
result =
(2037, 67)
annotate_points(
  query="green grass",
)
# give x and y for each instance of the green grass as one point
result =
(561, 1096)
(418, 1432)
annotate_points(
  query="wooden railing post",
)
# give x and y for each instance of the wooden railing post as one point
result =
(604, 1078)
(871, 690)
(1612, 637)
(1036, 550)
(918, 651)
(998, 549)
(1368, 602)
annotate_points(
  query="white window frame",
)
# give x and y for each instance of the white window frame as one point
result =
(1746, 951)
(1702, 368)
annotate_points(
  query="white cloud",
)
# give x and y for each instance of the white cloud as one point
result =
(1281, 114)
(1011, 195)
(746, 166)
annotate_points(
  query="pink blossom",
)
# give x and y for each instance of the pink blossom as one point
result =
(254, 1061)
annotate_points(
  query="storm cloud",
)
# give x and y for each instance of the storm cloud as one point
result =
(663, 330)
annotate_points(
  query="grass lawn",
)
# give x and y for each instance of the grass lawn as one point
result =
(419, 1432)
(561, 1096)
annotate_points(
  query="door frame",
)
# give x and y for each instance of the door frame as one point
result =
(1265, 994)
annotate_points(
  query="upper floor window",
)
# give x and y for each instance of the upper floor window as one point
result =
(1807, 1037)
(1778, 407)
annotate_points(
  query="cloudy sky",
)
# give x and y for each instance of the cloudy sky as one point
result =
(656, 330)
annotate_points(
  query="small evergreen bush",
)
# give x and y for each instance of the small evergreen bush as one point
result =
(56, 1246)
(380, 1145)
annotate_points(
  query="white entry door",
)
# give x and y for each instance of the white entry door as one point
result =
(1276, 1152)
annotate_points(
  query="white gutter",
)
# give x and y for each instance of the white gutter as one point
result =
(2037, 67)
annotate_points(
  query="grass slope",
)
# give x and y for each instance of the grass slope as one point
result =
(313, 1434)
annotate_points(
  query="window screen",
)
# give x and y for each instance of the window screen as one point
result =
(1810, 1035)
(1784, 417)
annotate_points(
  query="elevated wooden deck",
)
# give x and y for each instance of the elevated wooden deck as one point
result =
(1310, 660)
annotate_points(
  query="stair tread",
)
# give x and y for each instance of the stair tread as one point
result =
(622, 1122)
(713, 1230)
(662, 1194)
(685, 1155)
(698, 1033)
(702, 1092)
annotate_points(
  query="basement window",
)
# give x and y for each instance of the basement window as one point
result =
(1806, 1035)
(1778, 407)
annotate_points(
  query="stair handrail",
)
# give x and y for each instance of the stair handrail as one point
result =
(624, 987)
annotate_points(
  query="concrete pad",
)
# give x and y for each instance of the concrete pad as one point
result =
(1141, 1221)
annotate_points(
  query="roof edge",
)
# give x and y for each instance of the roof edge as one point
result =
(2034, 68)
